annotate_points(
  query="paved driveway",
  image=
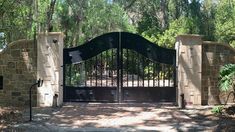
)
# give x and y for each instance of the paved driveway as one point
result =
(122, 117)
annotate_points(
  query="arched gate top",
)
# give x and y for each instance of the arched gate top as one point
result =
(121, 40)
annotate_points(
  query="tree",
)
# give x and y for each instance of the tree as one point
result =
(50, 13)
(158, 20)
(84, 19)
(225, 21)
(16, 19)
(87, 19)
(177, 27)
(208, 17)
(178, 8)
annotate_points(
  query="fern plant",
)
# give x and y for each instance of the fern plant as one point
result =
(227, 79)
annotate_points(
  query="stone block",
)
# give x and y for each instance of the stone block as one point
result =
(15, 53)
(11, 64)
(211, 48)
(16, 93)
(1, 61)
(19, 71)
(196, 100)
(21, 99)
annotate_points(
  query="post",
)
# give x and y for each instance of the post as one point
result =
(50, 54)
(30, 101)
(189, 68)
(39, 83)
(182, 101)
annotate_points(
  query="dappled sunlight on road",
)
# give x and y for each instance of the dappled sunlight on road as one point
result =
(107, 116)
(124, 117)
(137, 116)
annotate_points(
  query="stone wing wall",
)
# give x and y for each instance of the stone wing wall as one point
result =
(214, 56)
(18, 66)
(198, 65)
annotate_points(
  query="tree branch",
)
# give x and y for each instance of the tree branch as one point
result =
(129, 5)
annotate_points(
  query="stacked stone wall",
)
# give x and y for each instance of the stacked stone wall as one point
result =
(18, 66)
(214, 56)
(199, 63)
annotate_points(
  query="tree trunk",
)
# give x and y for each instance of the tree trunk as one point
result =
(50, 15)
(164, 16)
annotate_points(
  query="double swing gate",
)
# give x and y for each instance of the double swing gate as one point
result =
(119, 67)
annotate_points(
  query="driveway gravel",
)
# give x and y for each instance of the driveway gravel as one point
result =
(123, 117)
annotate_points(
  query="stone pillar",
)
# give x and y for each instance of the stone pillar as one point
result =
(189, 62)
(49, 62)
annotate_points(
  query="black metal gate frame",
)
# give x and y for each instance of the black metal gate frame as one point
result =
(119, 41)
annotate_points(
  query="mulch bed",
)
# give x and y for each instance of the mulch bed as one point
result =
(9, 116)
(230, 111)
(226, 122)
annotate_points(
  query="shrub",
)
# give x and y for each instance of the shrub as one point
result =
(227, 79)
(227, 76)
(217, 109)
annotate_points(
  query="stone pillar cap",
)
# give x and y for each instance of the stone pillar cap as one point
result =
(51, 33)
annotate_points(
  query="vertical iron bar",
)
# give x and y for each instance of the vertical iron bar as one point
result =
(112, 66)
(133, 65)
(175, 77)
(76, 69)
(164, 73)
(85, 73)
(143, 69)
(118, 68)
(121, 68)
(138, 69)
(96, 63)
(91, 76)
(106, 69)
(148, 71)
(154, 74)
(70, 76)
(101, 68)
(159, 72)
(127, 60)
(169, 77)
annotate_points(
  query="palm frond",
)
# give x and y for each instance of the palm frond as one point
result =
(227, 77)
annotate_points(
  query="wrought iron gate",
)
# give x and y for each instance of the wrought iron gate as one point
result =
(119, 67)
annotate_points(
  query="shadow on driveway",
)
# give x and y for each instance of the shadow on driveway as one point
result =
(125, 117)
